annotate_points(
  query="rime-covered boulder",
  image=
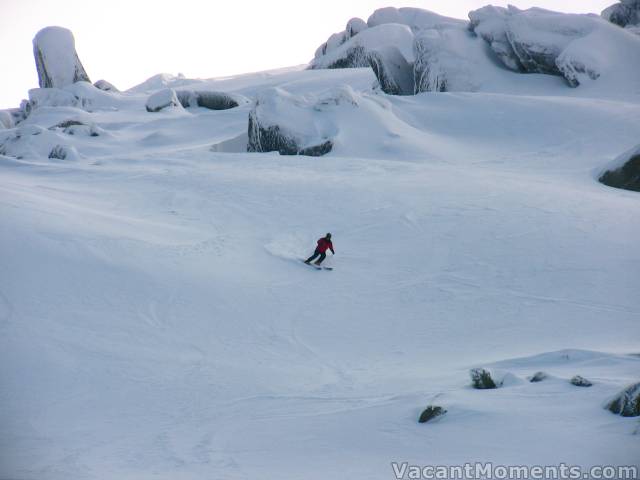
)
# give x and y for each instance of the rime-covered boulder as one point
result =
(581, 48)
(625, 13)
(56, 58)
(210, 100)
(64, 152)
(579, 381)
(430, 413)
(627, 402)
(393, 71)
(538, 377)
(6, 120)
(481, 379)
(281, 122)
(105, 86)
(162, 99)
(624, 171)
(340, 52)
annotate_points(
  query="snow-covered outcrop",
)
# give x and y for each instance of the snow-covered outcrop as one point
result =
(106, 86)
(625, 13)
(6, 120)
(443, 54)
(353, 53)
(627, 402)
(393, 71)
(388, 44)
(286, 124)
(163, 99)
(578, 47)
(624, 171)
(210, 100)
(57, 62)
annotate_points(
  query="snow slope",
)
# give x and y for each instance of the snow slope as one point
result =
(155, 321)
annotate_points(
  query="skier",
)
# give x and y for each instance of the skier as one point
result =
(324, 244)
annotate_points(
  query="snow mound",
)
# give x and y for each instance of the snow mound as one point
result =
(57, 61)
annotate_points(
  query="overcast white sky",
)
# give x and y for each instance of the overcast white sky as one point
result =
(127, 41)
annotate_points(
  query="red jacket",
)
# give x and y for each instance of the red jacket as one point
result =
(324, 245)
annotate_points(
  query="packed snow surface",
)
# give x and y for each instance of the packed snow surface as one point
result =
(156, 320)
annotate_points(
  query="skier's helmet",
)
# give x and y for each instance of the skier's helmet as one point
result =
(328, 235)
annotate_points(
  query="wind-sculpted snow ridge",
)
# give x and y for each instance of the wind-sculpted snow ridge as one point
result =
(444, 54)
(56, 58)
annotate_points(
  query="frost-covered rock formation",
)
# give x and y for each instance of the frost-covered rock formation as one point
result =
(284, 123)
(578, 47)
(624, 172)
(445, 54)
(481, 379)
(56, 59)
(387, 43)
(106, 86)
(210, 100)
(625, 13)
(627, 402)
(430, 413)
(162, 99)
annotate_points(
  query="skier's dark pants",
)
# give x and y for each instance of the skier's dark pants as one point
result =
(323, 255)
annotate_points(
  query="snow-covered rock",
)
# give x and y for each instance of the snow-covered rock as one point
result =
(578, 47)
(417, 19)
(627, 402)
(481, 379)
(625, 13)
(64, 152)
(6, 119)
(490, 23)
(393, 71)
(430, 413)
(210, 100)
(444, 61)
(354, 52)
(354, 27)
(56, 58)
(580, 381)
(538, 377)
(286, 124)
(163, 99)
(624, 171)
(106, 86)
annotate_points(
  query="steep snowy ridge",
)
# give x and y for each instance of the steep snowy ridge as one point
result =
(156, 320)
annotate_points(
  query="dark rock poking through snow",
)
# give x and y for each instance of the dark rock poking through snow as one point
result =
(394, 73)
(210, 100)
(62, 152)
(538, 377)
(481, 379)
(56, 58)
(431, 412)
(626, 175)
(627, 402)
(579, 381)
(625, 13)
(105, 86)
(281, 122)
(535, 40)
